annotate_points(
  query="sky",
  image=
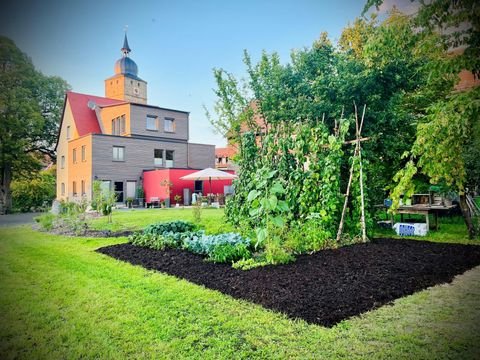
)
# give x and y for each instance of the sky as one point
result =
(175, 44)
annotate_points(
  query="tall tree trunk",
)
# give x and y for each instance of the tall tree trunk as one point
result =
(5, 194)
(467, 216)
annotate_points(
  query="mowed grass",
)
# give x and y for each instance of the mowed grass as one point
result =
(451, 230)
(61, 299)
(135, 219)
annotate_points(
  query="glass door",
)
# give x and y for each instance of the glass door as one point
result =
(131, 189)
(118, 188)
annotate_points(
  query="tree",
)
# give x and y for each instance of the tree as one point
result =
(448, 130)
(30, 109)
(35, 192)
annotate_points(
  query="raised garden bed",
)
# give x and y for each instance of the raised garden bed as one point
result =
(323, 288)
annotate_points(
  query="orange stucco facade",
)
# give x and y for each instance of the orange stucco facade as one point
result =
(108, 113)
(80, 167)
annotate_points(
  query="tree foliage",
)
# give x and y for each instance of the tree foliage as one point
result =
(30, 109)
(448, 126)
(33, 194)
(290, 131)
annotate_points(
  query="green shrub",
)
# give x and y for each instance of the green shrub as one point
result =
(73, 217)
(197, 210)
(229, 253)
(276, 254)
(46, 221)
(36, 193)
(309, 236)
(162, 235)
(251, 263)
(162, 241)
(178, 226)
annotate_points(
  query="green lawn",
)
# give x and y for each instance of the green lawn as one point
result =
(135, 219)
(60, 299)
(452, 229)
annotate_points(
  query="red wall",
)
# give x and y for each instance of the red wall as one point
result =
(152, 183)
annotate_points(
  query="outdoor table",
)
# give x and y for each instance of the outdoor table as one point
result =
(425, 209)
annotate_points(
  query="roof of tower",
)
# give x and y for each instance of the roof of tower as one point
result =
(125, 49)
(125, 65)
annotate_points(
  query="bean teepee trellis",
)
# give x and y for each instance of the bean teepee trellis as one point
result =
(357, 155)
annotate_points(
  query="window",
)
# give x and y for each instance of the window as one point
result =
(63, 188)
(152, 123)
(105, 186)
(118, 153)
(122, 124)
(83, 187)
(74, 156)
(118, 125)
(169, 125)
(68, 132)
(62, 162)
(74, 188)
(158, 157)
(169, 158)
(84, 153)
(198, 187)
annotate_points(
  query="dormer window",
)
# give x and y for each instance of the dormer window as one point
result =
(118, 125)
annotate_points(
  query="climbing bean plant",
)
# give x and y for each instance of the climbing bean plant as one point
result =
(292, 155)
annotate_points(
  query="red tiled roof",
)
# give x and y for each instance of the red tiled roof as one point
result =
(85, 118)
(225, 152)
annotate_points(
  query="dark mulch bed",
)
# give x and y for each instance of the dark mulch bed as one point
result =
(323, 288)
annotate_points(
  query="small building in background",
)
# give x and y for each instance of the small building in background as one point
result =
(164, 184)
(224, 158)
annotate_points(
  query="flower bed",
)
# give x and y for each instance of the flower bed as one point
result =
(228, 247)
(325, 287)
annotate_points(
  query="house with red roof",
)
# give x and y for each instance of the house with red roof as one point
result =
(224, 158)
(117, 138)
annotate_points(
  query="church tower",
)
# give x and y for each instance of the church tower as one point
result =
(125, 84)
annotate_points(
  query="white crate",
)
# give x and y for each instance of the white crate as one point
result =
(410, 229)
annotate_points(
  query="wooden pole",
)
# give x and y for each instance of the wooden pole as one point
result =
(347, 194)
(340, 227)
(357, 153)
(362, 219)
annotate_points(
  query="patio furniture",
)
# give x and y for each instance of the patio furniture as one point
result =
(154, 200)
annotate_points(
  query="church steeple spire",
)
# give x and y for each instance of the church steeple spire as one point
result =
(125, 84)
(125, 49)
